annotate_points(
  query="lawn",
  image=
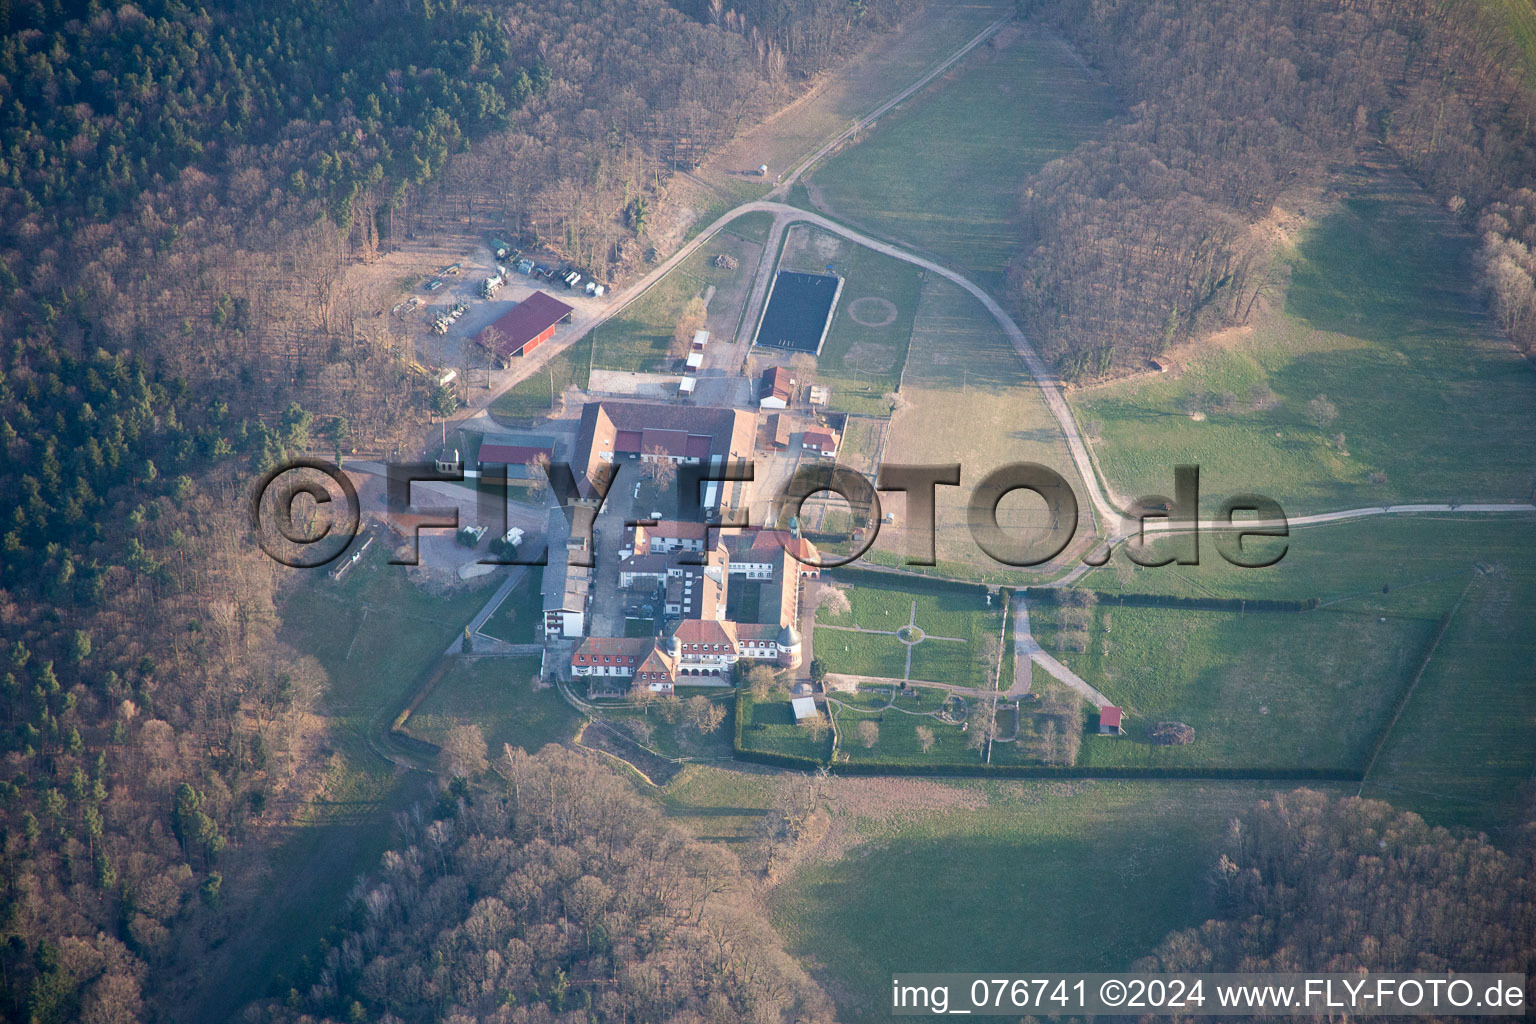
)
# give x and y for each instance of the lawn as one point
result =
(967, 399)
(898, 741)
(496, 694)
(639, 337)
(754, 227)
(890, 603)
(1038, 877)
(722, 804)
(536, 396)
(1380, 317)
(516, 619)
(677, 738)
(866, 346)
(942, 171)
(770, 726)
(1280, 690)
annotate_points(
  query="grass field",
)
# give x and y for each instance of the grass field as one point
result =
(721, 804)
(1059, 877)
(373, 632)
(1466, 741)
(1381, 318)
(530, 399)
(967, 399)
(942, 171)
(496, 695)
(679, 738)
(850, 91)
(861, 362)
(1464, 749)
(898, 741)
(771, 727)
(516, 619)
(1261, 689)
(939, 612)
(754, 227)
(639, 338)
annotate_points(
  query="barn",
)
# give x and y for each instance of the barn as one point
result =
(515, 456)
(525, 327)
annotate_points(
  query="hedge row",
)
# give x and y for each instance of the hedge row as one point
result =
(1055, 595)
(904, 581)
(1041, 771)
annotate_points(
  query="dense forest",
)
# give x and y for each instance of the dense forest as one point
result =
(555, 892)
(1140, 240)
(1309, 882)
(182, 191)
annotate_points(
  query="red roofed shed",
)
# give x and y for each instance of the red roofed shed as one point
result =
(525, 327)
(1109, 720)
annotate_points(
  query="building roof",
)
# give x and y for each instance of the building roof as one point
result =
(514, 454)
(564, 586)
(778, 428)
(705, 631)
(760, 545)
(803, 707)
(818, 439)
(623, 650)
(523, 323)
(776, 383)
(1109, 716)
(646, 564)
(658, 664)
(683, 431)
(675, 529)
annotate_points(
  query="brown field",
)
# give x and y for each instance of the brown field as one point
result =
(967, 398)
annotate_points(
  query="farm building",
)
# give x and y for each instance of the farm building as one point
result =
(516, 457)
(695, 359)
(822, 442)
(820, 394)
(525, 327)
(700, 339)
(1109, 720)
(687, 385)
(687, 435)
(778, 431)
(566, 588)
(776, 388)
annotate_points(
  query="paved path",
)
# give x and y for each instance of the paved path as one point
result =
(489, 608)
(1025, 646)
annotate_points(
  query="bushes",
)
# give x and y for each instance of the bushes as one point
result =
(1171, 734)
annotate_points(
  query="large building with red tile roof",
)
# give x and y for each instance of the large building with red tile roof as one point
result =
(613, 432)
